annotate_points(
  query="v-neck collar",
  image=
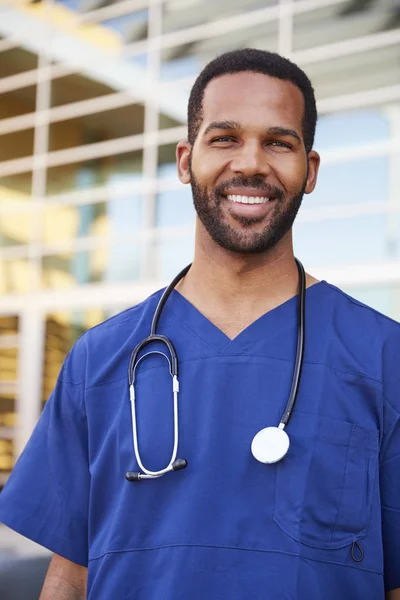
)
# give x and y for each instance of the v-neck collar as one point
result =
(268, 324)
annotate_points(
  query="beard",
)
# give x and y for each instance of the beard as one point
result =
(209, 209)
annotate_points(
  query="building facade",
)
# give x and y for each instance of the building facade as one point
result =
(93, 97)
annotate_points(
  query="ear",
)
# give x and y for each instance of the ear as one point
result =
(183, 151)
(313, 167)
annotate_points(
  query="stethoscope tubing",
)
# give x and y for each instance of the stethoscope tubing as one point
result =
(172, 360)
(301, 310)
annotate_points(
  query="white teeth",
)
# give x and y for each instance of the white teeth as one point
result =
(248, 199)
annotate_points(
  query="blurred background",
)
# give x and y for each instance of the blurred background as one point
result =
(93, 97)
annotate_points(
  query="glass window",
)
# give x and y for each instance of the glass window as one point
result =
(356, 181)
(394, 310)
(172, 255)
(354, 72)
(16, 145)
(385, 299)
(352, 128)
(72, 4)
(62, 330)
(15, 188)
(8, 372)
(132, 27)
(167, 122)
(63, 223)
(115, 263)
(18, 102)
(175, 95)
(339, 22)
(15, 228)
(175, 208)
(182, 14)
(97, 127)
(341, 241)
(6, 455)
(167, 161)
(139, 60)
(188, 59)
(95, 172)
(17, 60)
(74, 88)
(124, 261)
(67, 269)
(59, 339)
(14, 275)
(394, 233)
(116, 218)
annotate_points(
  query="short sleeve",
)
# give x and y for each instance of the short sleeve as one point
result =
(46, 496)
(390, 464)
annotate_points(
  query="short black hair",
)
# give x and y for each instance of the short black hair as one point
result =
(255, 61)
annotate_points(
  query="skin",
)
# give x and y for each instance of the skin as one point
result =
(233, 288)
(65, 580)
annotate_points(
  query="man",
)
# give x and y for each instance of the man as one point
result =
(324, 522)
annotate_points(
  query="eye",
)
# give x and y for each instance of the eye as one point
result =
(280, 144)
(222, 139)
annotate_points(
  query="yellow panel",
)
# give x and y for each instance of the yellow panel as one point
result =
(8, 419)
(14, 276)
(6, 462)
(99, 259)
(60, 223)
(58, 279)
(11, 197)
(16, 228)
(5, 446)
(94, 316)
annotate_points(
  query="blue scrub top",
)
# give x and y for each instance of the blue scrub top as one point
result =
(323, 523)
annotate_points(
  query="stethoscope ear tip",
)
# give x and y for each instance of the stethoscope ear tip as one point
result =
(180, 463)
(131, 476)
(177, 465)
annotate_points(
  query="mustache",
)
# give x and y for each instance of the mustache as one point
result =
(252, 182)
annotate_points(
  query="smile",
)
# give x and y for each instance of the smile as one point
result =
(248, 199)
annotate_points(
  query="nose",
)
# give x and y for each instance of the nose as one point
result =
(250, 159)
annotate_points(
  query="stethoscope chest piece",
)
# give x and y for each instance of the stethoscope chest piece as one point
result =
(270, 445)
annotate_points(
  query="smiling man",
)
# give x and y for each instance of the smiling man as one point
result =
(316, 517)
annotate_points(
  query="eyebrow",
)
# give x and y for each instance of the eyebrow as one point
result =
(229, 125)
(284, 131)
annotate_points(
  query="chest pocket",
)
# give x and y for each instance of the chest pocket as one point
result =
(324, 485)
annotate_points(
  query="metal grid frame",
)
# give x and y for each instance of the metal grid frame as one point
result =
(149, 141)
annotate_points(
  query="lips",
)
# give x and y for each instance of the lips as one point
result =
(248, 207)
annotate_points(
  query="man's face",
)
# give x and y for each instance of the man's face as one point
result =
(248, 167)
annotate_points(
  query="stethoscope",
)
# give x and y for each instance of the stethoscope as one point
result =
(269, 445)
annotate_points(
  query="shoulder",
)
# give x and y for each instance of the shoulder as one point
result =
(100, 351)
(362, 314)
(368, 336)
(129, 319)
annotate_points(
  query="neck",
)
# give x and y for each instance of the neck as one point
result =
(233, 289)
(231, 277)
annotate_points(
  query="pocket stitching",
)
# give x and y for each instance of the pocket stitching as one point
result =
(343, 483)
(321, 545)
(303, 537)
